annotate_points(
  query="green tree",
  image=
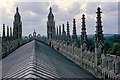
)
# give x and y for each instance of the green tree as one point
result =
(116, 49)
(107, 47)
(90, 43)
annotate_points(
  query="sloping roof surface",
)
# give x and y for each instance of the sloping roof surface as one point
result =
(37, 60)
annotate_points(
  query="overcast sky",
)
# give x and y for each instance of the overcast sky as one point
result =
(34, 15)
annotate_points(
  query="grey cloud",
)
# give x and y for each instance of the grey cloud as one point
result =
(106, 7)
(55, 8)
(6, 18)
(74, 8)
(37, 7)
(92, 7)
(109, 7)
(38, 22)
(110, 22)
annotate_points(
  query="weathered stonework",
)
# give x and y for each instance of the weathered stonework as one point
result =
(99, 42)
(17, 26)
(50, 26)
(63, 33)
(100, 65)
(68, 34)
(74, 35)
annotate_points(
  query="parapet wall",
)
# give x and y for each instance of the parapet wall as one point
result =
(108, 69)
(10, 45)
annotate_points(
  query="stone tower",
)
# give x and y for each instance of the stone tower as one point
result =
(63, 33)
(68, 34)
(74, 36)
(3, 31)
(17, 25)
(83, 38)
(50, 25)
(99, 39)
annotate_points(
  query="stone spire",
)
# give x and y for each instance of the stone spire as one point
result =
(17, 9)
(99, 38)
(63, 32)
(3, 31)
(83, 38)
(10, 32)
(7, 31)
(99, 30)
(17, 15)
(83, 33)
(51, 34)
(50, 10)
(57, 30)
(17, 25)
(68, 34)
(50, 15)
(74, 36)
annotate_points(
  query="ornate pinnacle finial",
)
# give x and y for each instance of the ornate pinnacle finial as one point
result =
(68, 34)
(83, 16)
(74, 23)
(98, 10)
(73, 20)
(74, 36)
(67, 23)
(99, 25)
(50, 10)
(17, 9)
(99, 32)
(83, 32)
(83, 22)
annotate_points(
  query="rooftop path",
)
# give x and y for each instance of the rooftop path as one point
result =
(37, 60)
